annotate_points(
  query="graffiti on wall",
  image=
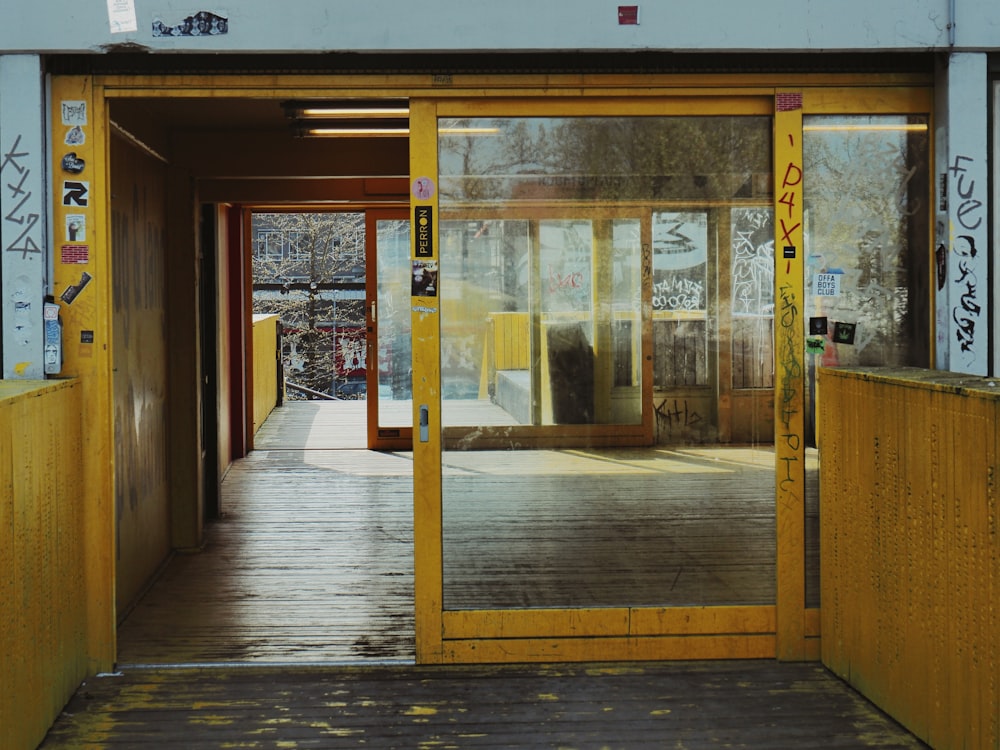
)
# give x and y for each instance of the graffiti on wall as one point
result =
(22, 208)
(966, 270)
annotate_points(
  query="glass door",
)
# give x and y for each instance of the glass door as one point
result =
(387, 321)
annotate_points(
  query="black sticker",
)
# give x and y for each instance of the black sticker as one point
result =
(73, 290)
(818, 326)
(789, 251)
(72, 163)
(86, 337)
(843, 333)
(423, 222)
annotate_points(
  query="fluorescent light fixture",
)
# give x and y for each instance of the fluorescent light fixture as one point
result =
(467, 131)
(350, 131)
(910, 128)
(327, 113)
(348, 109)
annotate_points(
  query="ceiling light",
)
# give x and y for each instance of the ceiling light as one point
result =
(348, 130)
(348, 109)
(913, 127)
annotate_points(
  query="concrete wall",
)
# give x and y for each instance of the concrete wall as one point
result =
(23, 236)
(319, 26)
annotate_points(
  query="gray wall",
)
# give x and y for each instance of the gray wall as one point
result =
(444, 25)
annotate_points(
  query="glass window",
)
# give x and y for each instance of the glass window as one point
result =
(867, 272)
(562, 241)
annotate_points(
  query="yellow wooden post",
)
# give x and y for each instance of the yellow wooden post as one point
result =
(789, 399)
(425, 321)
(82, 285)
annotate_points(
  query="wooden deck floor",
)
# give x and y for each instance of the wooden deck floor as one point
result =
(312, 560)
(294, 627)
(694, 706)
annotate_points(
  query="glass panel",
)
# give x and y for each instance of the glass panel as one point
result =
(567, 366)
(752, 293)
(866, 191)
(680, 298)
(393, 322)
(309, 268)
(558, 236)
(485, 340)
(626, 320)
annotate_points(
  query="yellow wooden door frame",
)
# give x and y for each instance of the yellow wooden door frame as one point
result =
(788, 629)
(380, 437)
(82, 283)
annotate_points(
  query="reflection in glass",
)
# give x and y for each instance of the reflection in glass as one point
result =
(393, 319)
(580, 257)
(752, 274)
(680, 298)
(866, 187)
(866, 193)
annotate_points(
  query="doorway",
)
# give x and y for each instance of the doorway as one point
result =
(339, 282)
(688, 300)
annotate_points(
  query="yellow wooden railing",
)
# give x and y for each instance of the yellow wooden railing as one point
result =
(43, 592)
(267, 386)
(910, 554)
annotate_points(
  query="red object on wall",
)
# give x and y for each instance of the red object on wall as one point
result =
(628, 15)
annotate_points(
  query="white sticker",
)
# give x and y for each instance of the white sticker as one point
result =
(826, 285)
(76, 227)
(73, 112)
(121, 16)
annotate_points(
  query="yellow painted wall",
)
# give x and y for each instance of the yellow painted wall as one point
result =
(265, 363)
(141, 407)
(43, 591)
(909, 550)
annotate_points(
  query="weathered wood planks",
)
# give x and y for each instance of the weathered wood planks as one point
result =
(750, 704)
(312, 560)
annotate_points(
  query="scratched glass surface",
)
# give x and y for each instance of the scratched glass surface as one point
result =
(561, 240)
(866, 193)
(393, 317)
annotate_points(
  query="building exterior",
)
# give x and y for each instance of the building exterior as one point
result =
(679, 212)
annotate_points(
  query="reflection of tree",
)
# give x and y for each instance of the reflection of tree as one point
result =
(607, 158)
(863, 187)
(299, 260)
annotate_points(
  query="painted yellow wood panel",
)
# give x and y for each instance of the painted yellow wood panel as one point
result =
(538, 623)
(789, 441)
(605, 622)
(909, 549)
(43, 597)
(265, 367)
(425, 327)
(608, 649)
(87, 345)
(703, 620)
(830, 100)
(497, 85)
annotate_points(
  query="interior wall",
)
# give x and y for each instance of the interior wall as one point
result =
(142, 498)
(224, 345)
